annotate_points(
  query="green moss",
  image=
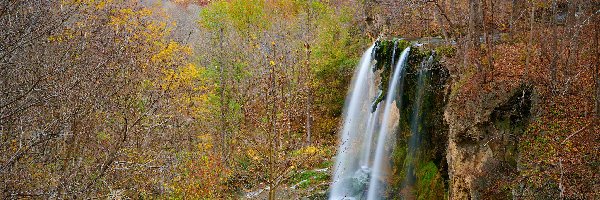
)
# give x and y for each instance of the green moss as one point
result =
(307, 178)
(429, 182)
(325, 164)
(446, 50)
(398, 159)
(386, 53)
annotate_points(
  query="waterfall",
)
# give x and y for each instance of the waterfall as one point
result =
(368, 138)
(384, 132)
(414, 140)
(348, 174)
(372, 122)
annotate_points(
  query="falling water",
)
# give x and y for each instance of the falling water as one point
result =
(414, 139)
(368, 138)
(355, 125)
(372, 124)
(384, 132)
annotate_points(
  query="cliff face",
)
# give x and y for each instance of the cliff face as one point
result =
(482, 139)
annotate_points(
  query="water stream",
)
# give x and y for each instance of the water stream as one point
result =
(356, 123)
(385, 135)
(367, 139)
(414, 140)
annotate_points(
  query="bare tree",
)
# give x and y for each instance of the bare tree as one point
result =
(74, 100)
(597, 63)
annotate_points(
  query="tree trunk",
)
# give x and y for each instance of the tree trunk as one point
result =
(597, 63)
(488, 28)
(222, 99)
(273, 124)
(308, 108)
(473, 37)
(514, 12)
(486, 37)
(452, 8)
(439, 20)
(529, 43)
(307, 84)
(572, 47)
(554, 59)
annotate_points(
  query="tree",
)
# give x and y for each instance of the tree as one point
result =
(86, 84)
(282, 56)
(488, 29)
(308, 82)
(473, 37)
(597, 64)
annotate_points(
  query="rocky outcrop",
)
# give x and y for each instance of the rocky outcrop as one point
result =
(483, 130)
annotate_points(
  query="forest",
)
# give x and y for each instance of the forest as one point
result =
(271, 99)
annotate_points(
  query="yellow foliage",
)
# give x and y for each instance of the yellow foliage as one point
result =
(251, 153)
(64, 36)
(127, 19)
(203, 177)
(193, 96)
(101, 5)
(184, 78)
(310, 150)
(121, 17)
(205, 142)
(170, 51)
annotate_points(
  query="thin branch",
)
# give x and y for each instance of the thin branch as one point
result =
(443, 13)
(576, 132)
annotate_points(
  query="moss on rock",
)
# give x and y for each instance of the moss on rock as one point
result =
(429, 160)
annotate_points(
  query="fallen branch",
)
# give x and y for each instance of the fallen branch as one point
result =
(572, 134)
